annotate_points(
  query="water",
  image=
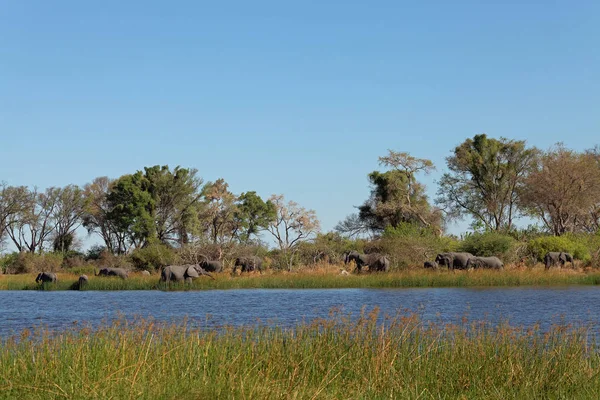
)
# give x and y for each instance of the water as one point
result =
(287, 307)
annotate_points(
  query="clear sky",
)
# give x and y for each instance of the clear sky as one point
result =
(298, 98)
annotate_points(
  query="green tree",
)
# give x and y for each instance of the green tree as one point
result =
(484, 181)
(175, 197)
(217, 215)
(70, 207)
(12, 203)
(396, 198)
(253, 215)
(131, 209)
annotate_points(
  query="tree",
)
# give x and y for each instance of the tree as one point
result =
(292, 225)
(67, 215)
(563, 190)
(253, 215)
(32, 226)
(396, 198)
(96, 215)
(217, 215)
(484, 180)
(175, 196)
(12, 203)
(131, 209)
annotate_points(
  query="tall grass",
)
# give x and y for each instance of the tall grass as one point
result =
(336, 358)
(319, 279)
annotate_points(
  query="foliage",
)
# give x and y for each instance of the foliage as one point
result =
(484, 180)
(292, 225)
(410, 245)
(253, 215)
(153, 256)
(491, 244)
(538, 247)
(564, 191)
(396, 198)
(26, 262)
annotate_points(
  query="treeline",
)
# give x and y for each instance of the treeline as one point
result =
(158, 215)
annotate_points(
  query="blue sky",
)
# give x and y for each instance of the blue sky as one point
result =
(280, 97)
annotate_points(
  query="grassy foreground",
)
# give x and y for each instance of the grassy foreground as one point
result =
(327, 359)
(321, 278)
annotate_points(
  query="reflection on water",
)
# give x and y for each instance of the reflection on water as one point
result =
(288, 307)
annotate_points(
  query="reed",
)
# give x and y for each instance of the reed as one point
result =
(333, 358)
(315, 279)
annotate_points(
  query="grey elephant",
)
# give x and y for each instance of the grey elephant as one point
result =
(44, 277)
(375, 262)
(179, 273)
(453, 260)
(82, 282)
(485, 262)
(120, 272)
(557, 258)
(211, 265)
(430, 264)
(247, 264)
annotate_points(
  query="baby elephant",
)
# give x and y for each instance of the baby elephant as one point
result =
(430, 264)
(44, 277)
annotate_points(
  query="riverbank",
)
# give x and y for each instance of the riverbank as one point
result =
(327, 359)
(321, 279)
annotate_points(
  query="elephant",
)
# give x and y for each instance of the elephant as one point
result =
(557, 257)
(485, 262)
(430, 264)
(453, 260)
(248, 264)
(180, 273)
(211, 266)
(120, 272)
(44, 277)
(82, 282)
(375, 262)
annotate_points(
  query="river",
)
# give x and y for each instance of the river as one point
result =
(522, 306)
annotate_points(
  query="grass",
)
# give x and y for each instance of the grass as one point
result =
(336, 358)
(326, 277)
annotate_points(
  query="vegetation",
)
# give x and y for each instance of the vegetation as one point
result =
(339, 357)
(159, 216)
(322, 277)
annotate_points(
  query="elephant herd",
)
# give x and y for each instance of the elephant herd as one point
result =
(463, 260)
(375, 262)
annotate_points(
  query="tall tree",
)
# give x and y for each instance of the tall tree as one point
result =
(253, 215)
(96, 216)
(396, 198)
(33, 226)
(12, 203)
(175, 196)
(292, 225)
(67, 215)
(131, 210)
(217, 215)
(563, 190)
(484, 179)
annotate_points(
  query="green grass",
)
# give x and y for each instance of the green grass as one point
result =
(320, 279)
(327, 359)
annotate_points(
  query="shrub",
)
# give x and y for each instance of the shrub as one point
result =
(538, 247)
(23, 263)
(409, 251)
(489, 244)
(153, 257)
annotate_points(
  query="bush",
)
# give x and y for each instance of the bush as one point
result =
(489, 244)
(153, 257)
(23, 263)
(538, 247)
(408, 251)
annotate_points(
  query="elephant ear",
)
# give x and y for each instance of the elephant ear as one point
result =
(192, 272)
